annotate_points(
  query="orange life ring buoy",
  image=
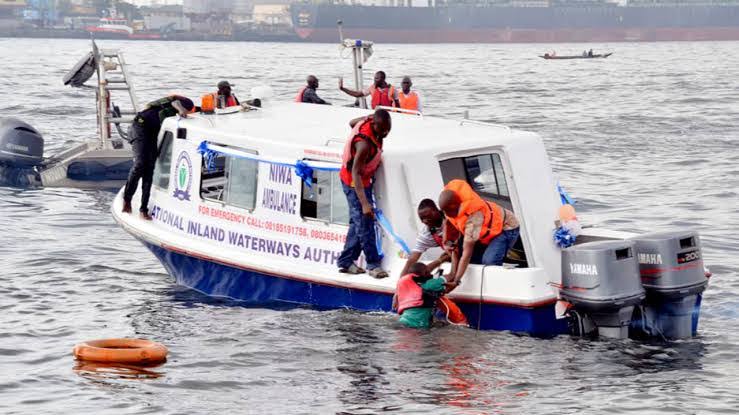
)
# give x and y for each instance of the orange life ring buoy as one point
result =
(121, 351)
(453, 313)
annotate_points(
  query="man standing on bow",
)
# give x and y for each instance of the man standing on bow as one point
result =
(361, 158)
(143, 135)
(409, 100)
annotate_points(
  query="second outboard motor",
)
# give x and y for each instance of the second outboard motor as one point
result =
(671, 267)
(21, 145)
(601, 281)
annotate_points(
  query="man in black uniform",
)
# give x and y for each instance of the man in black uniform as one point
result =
(143, 138)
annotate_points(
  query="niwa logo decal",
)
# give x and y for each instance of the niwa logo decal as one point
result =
(183, 182)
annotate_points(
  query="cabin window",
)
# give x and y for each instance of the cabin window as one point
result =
(163, 166)
(231, 180)
(325, 199)
(483, 172)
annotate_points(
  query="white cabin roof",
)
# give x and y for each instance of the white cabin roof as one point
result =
(315, 125)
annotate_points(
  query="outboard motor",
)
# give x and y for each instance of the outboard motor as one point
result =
(601, 282)
(21, 146)
(671, 267)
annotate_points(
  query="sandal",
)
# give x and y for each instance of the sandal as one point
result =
(378, 273)
(353, 269)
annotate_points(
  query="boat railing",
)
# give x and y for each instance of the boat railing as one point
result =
(403, 110)
(484, 123)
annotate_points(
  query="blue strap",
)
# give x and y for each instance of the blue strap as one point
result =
(304, 170)
(385, 224)
(563, 196)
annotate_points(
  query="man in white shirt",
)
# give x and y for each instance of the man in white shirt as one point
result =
(430, 235)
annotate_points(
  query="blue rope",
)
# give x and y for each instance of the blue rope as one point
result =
(385, 224)
(563, 196)
(303, 169)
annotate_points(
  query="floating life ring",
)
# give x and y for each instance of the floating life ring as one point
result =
(136, 351)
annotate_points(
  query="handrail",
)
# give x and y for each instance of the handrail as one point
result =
(484, 124)
(396, 109)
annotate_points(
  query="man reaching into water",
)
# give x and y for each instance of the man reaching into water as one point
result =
(143, 138)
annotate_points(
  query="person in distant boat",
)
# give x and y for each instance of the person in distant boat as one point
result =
(416, 295)
(407, 99)
(430, 236)
(225, 97)
(360, 160)
(489, 230)
(382, 93)
(590, 53)
(143, 138)
(307, 94)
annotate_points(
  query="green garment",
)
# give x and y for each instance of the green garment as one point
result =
(421, 317)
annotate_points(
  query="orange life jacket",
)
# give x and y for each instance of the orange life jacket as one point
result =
(409, 293)
(299, 97)
(230, 101)
(492, 225)
(382, 96)
(361, 131)
(408, 102)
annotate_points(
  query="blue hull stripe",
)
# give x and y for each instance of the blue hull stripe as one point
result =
(216, 279)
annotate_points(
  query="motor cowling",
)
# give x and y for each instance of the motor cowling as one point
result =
(673, 274)
(601, 282)
(21, 145)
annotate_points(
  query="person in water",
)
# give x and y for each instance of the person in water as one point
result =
(143, 138)
(489, 230)
(382, 93)
(360, 160)
(416, 295)
(407, 99)
(224, 97)
(430, 236)
(307, 94)
(590, 53)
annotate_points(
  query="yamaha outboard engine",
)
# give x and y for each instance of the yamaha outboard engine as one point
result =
(601, 282)
(671, 267)
(21, 145)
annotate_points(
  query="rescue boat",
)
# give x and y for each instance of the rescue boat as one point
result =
(248, 205)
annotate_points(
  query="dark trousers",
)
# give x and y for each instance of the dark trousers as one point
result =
(144, 145)
(361, 235)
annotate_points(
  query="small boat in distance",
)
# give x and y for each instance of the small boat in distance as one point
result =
(584, 56)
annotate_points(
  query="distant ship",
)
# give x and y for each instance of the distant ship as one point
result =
(523, 21)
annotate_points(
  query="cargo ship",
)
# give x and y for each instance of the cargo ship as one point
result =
(520, 22)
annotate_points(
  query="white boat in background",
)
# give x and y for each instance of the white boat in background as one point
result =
(110, 25)
(97, 164)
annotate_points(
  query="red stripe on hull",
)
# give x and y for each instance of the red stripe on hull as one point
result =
(522, 35)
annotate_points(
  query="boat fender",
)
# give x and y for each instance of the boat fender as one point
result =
(124, 350)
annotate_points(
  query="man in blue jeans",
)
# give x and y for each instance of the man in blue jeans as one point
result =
(489, 230)
(361, 158)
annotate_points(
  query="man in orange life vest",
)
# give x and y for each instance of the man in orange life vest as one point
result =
(489, 230)
(381, 92)
(407, 99)
(416, 295)
(224, 97)
(361, 158)
(307, 94)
